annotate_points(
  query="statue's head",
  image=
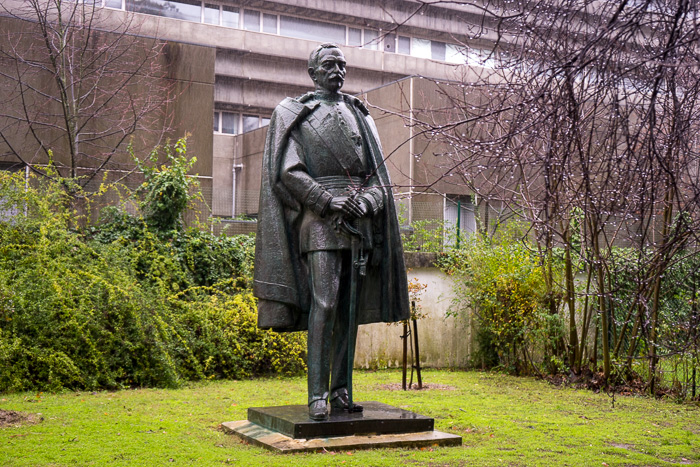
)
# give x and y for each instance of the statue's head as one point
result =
(327, 67)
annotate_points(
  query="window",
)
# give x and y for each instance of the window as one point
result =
(232, 123)
(459, 212)
(437, 50)
(187, 10)
(211, 13)
(250, 123)
(230, 16)
(270, 23)
(404, 46)
(354, 37)
(302, 28)
(251, 20)
(455, 54)
(371, 39)
(114, 4)
(420, 48)
(228, 123)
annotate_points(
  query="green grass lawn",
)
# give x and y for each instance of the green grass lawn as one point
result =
(502, 420)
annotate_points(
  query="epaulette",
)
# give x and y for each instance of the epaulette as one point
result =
(357, 103)
(306, 97)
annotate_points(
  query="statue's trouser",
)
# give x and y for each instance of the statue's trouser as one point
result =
(328, 322)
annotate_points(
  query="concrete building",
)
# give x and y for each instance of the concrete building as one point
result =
(235, 60)
(260, 49)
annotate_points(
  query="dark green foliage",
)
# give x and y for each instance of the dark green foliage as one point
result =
(485, 355)
(167, 187)
(123, 304)
(679, 316)
(210, 259)
(177, 259)
(224, 337)
(500, 280)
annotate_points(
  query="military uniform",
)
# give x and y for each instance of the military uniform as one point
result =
(320, 146)
(326, 157)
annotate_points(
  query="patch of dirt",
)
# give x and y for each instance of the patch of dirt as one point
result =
(596, 383)
(622, 445)
(10, 418)
(414, 387)
(682, 461)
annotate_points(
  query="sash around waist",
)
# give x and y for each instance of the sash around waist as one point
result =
(336, 182)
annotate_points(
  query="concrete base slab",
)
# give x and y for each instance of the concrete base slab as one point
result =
(376, 419)
(275, 441)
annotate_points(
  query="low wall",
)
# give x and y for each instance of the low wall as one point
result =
(444, 341)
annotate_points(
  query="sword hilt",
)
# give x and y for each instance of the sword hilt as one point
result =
(361, 263)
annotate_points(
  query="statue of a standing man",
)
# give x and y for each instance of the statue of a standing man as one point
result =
(327, 226)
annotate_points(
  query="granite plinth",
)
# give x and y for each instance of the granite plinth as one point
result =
(377, 418)
(277, 442)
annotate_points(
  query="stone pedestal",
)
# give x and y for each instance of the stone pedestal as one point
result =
(289, 429)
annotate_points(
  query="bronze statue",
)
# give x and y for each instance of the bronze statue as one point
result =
(328, 251)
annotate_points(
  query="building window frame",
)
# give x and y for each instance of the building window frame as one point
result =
(460, 207)
(238, 117)
(371, 39)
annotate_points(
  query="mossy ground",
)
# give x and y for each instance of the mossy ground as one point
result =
(503, 421)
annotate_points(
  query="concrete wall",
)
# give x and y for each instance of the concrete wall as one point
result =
(445, 21)
(192, 69)
(185, 71)
(239, 70)
(222, 174)
(445, 342)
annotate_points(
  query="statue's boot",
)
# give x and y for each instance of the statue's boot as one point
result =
(341, 401)
(318, 410)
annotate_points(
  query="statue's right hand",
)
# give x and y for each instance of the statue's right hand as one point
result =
(349, 207)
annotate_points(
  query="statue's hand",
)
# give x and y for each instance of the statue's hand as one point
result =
(349, 207)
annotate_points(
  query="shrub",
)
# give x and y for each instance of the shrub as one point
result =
(222, 333)
(167, 186)
(176, 260)
(123, 304)
(502, 282)
(424, 236)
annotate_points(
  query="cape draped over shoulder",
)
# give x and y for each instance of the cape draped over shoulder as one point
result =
(281, 281)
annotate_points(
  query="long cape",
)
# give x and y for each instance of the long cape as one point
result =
(281, 281)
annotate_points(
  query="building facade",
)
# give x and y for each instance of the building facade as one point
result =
(235, 60)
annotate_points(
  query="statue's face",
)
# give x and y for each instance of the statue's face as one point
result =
(330, 72)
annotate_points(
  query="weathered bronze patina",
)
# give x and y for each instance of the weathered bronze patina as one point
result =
(328, 252)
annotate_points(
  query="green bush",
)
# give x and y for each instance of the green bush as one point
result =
(176, 260)
(425, 236)
(501, 281)
(123, 304)
(224, 336)
(167, 187)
